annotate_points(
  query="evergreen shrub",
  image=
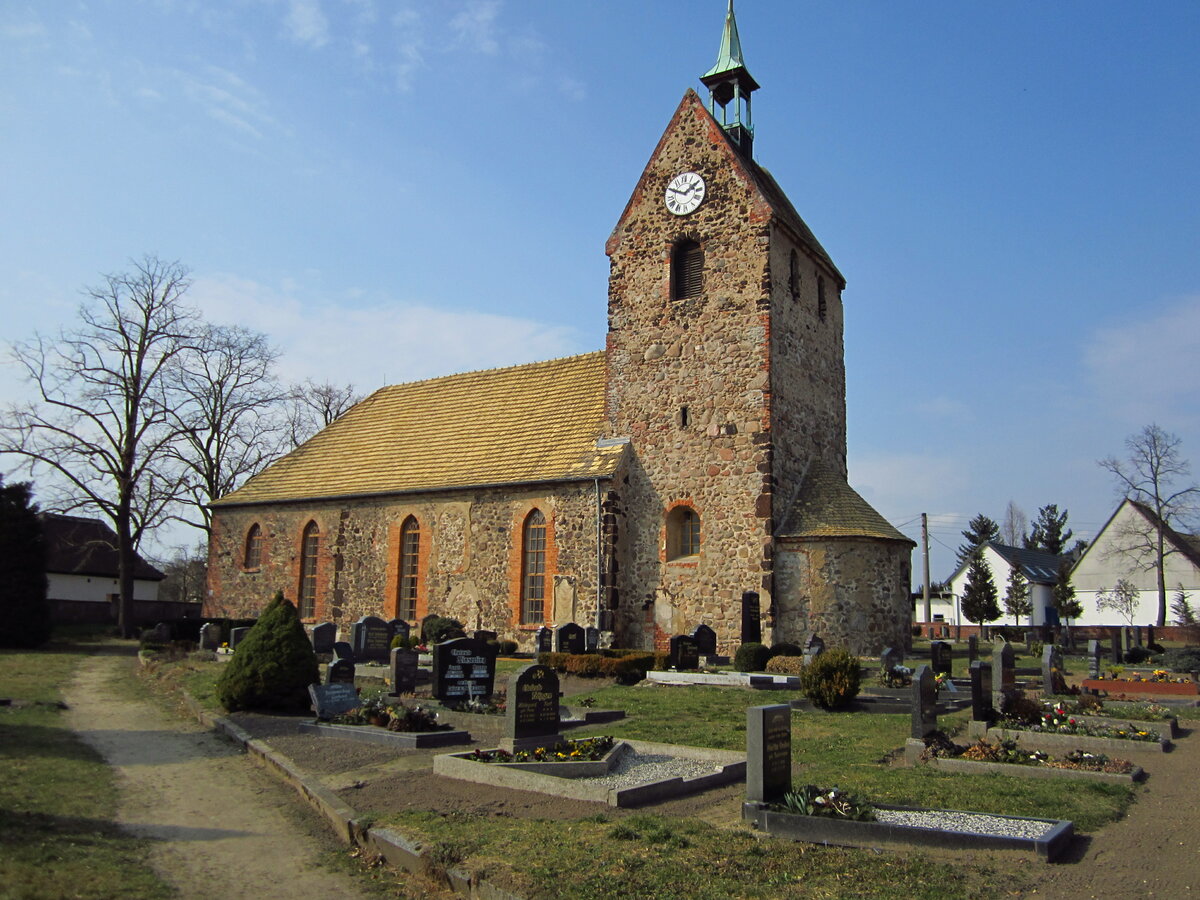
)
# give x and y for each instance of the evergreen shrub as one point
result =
(508, 648)
(751, 657)
(1181, 659)
(831, 680)
(1137, 655)
(441, 628)
(786, 665)
(24, 610)
(272, 666)
(786, 649)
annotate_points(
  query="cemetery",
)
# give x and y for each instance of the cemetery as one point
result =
(668, 740)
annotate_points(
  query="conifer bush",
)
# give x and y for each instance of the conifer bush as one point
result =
(831, 680)
(751, 657)
(272, 666)
(24, 611)
(783, 648)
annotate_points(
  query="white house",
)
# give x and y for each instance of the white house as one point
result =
(81, 568)
(1039, 568)
(1121, 550)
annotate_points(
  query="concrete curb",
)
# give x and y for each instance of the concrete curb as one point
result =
(345, 821)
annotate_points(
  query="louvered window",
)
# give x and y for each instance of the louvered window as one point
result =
(687, 271)
(308, 570)
(410, 547)
(533, 569)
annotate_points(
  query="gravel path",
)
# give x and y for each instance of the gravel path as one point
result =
(222, 827)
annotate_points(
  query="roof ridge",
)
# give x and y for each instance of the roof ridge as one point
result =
(525, 365)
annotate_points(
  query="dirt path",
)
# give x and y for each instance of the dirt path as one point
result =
(1154, 851)
(222, 827)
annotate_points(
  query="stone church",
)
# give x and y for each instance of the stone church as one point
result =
(694, 471)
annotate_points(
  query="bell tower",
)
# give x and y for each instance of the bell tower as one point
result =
(730, 84)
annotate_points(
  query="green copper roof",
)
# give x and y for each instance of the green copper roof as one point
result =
(729, 57)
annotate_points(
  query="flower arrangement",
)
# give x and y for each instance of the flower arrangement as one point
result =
(896, 677)
(1008, 751)
(834, 803)
(583, 750)
(1058, 719)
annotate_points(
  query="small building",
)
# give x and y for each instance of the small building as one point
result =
(81, 570)
(1039, 568)
(1123, 550)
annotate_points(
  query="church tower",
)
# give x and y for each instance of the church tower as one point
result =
(724, 373)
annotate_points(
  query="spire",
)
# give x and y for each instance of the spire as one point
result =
(728, 81)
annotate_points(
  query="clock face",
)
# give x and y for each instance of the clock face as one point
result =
(684, 193)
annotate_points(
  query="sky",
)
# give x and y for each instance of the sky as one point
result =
(394, 190)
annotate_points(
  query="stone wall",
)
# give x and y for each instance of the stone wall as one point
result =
(470, 556)
(852, 592)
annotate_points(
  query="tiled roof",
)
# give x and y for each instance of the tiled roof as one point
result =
(1038, 566)
(80, 546)
(531, 423)
(827, 507)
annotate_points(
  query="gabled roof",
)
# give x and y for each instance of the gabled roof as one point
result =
(1038, 566)
(525, 424)
(76, 545)
(827, 507)
(1186, 544)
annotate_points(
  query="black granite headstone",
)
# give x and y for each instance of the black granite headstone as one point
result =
(972, 649)
(484, 635)
(1118, 652)
(371, 638)
(463, 669)
(684, 653)
(343, 650)
(813, 648)
(941, 658)
(924, 704)
(751, 618)
(545, 640)
(706, 640)
(890, 659)
(569, 638)
(210, 636)
(404, 670)
(533, 703)
(400, 628)
(329, 700)
(323, 637)
(981, 691)
(340, 671)
(236, 636)
(1004, 680)
(768, 752)
(591, 639)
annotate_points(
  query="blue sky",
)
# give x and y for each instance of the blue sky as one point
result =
(395, 190)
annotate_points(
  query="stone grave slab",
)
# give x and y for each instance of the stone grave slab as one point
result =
(340, 671)
(404, 670)
(532, 709)
(684, 653)
(463, 669)
(706, 640)
(331, 700)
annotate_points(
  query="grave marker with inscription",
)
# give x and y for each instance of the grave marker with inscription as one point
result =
(371, 638)
(1053, 680)
(981, 692)
(545, 640)
(343, 650)
(533, 707)
(924, 703)
(972, 649)
(751, 618)
(463, 669)
(210, 636)
(813, 648)
(323, 637)
(1004, 676)
(768, 752)
(404, 670)
(340, 671)
(236, 636)
(591, 639)
(400, 628)
(706, 640)
(569, 638)
(1095, 656)
(684, 653)
(329, 700)
(941, 658)
(890, 659)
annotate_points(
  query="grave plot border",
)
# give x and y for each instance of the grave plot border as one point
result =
(1168, 727)
(1149, 688)
(848, 833)
(733, 769)
(372, 734)
(588, 768)
(959, 766)
(1049, 740)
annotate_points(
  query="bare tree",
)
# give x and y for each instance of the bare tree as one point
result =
(229, 414)
(1015, 526)
(1122, 599)
(1149, 476)
(187, 575)
(101, 423)
(313, 406)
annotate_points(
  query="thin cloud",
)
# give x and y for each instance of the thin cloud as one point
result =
(225, 97)
(306, 24)
(475, 26)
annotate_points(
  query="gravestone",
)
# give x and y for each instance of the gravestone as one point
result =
(545, 640)
(768, 752)
(210, 636)
(684, 653)
(1149, 635)
(940, 658)
(1095, 656)
(329, 700)
(813, 648)
(236, 635)
(323, 637)
(343, 650)
(924, 703)
(751, 619)
(533, 707)
(972, 649)
(981, 692)
(706, 640)
(340, 671)
(890, 659)
(371, 638)
(1053, 681)
(1004, 679)
(1118, 652)
(463, 669)
(591, 639)
(484, 635)
(569, 638)
(400, 628)
(404, 670)
(159, 634)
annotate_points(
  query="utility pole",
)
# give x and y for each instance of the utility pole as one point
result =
(925, 565)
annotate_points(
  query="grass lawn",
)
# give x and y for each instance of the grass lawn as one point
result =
(57, 796)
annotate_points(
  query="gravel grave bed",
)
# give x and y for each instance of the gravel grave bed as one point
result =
(965, 823)
(639, 768)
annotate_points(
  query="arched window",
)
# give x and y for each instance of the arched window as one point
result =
(310, 543)
(683, 533)
(794, 275)
(410, 548)
(253, 556)
(687, 270)
(533, 569)
(821, 297)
